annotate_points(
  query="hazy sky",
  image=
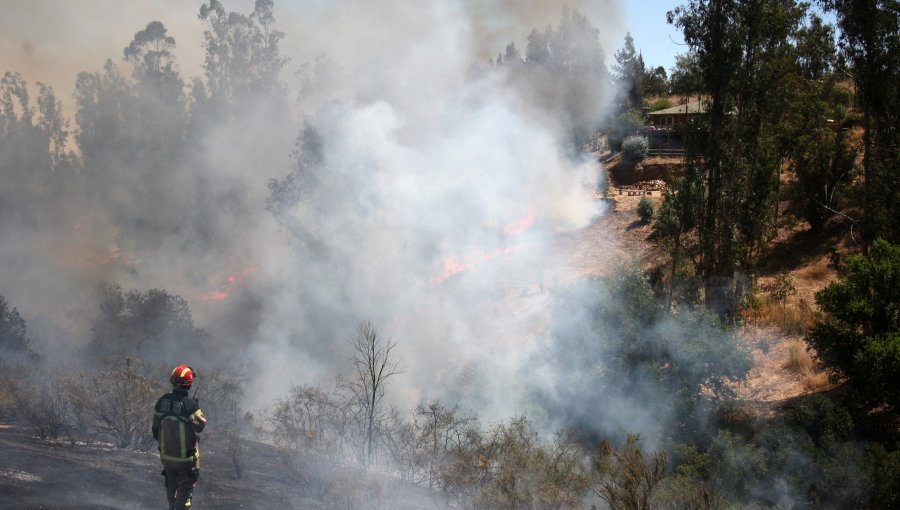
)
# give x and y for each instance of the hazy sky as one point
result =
(52, 40)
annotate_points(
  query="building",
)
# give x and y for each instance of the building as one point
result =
(671, 118)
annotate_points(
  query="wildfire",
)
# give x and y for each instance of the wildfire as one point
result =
(517, 227)
(228, 283)
(453, 266)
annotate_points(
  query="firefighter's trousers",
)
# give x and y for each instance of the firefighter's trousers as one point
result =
(180, 480)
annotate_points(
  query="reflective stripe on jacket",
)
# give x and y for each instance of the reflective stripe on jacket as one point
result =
(177, 420)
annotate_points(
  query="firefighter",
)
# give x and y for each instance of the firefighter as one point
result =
(176, 423)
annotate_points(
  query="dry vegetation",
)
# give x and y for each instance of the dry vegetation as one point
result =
(778, 318)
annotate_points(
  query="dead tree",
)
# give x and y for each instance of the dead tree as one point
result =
(374, 362)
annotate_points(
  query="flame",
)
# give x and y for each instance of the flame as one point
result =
(517, 227)
(453, 266)
(224, 289)
(216, 295)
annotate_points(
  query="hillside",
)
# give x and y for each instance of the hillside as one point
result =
(42, 474)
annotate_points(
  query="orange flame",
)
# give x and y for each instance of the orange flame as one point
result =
(453, 266)
(517, 227)
(223, 292)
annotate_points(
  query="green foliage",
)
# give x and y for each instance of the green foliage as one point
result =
(622, 127)
(659, 104)
(645, 210)
(858, 336)
(152, 325)
(635, 148)
(685, 77)
(869, 43)
(741, 52)
(629, 71)
(824, 420)
(678, 214)
(655, 82)
(621, 351)
(14, 341)
(883, 468)
(815, 128)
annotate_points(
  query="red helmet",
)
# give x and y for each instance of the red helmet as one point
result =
(182, 377)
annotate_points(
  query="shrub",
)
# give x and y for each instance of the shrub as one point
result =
(645, 210)
(659, 104)
(859, 334)
(14, 342)
(626, 478)
(635, 148)
(623, 126)
(45, 408)
(116, 404)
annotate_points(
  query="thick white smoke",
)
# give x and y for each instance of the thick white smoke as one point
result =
(434, 211)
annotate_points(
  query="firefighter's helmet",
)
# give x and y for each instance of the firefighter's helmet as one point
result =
(182, 377)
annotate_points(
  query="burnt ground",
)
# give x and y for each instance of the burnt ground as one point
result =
(38, 474)
(51, 475)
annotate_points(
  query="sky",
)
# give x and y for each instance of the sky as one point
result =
(657, 41)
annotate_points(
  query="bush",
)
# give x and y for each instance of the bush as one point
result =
(859, 334)
(635, 148)
(623, 126)
(46, 409)
(14, 342)
(116, 404)
(659, 104)
(645, 210)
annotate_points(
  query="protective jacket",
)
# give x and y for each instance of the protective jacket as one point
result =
(176, 423)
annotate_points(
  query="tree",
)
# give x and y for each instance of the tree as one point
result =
(645, 210)
(151, 52)
(858, 336)
(644, 363)
(14, 341)
(565, 74)
(537, 51)
(817, 126)
(151, 325)
(679, 214)
(743, 51)
(870, 42)
(439, 430)
(629, 71)
(685, 76)
(243, 57)
(655, 82)
(375, 364)
(33, 157)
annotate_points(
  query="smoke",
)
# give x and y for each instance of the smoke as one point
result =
(432, 210)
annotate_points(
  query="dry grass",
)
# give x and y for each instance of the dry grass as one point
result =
(796, 317)
(800, 361)
(816, 272)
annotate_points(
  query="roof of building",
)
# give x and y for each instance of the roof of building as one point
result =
(682, 109)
